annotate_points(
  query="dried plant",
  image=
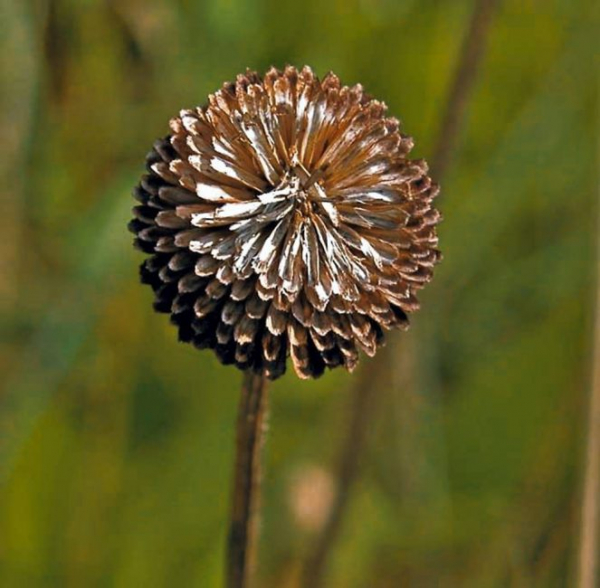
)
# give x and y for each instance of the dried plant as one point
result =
(284, 218)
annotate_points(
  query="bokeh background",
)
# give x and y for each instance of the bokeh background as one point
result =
(116, 442)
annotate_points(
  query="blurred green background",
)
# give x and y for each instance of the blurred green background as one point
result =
(116, 442)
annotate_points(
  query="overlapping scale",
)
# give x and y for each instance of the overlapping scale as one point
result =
(284, 219)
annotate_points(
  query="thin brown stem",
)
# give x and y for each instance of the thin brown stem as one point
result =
(589, 540)
(347, 467)
(241, 547)
(471, 53)
(364, 404)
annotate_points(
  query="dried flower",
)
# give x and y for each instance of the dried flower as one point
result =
(285, 218)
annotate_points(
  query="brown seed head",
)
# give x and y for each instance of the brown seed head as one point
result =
(285, 219)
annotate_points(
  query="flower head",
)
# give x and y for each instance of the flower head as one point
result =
(284, 218)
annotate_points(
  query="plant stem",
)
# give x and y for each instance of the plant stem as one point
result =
(471, 53)
(364, 397)
(346, 471)
(243, 534)
(589, 540)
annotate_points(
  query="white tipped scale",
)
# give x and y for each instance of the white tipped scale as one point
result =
(213, 193)
(234, 172)
(246, 254)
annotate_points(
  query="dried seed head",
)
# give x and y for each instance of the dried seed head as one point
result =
(285, 219)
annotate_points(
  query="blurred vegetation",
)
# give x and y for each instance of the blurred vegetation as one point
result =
(117, 442)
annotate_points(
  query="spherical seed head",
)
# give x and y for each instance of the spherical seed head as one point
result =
(283, 219)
